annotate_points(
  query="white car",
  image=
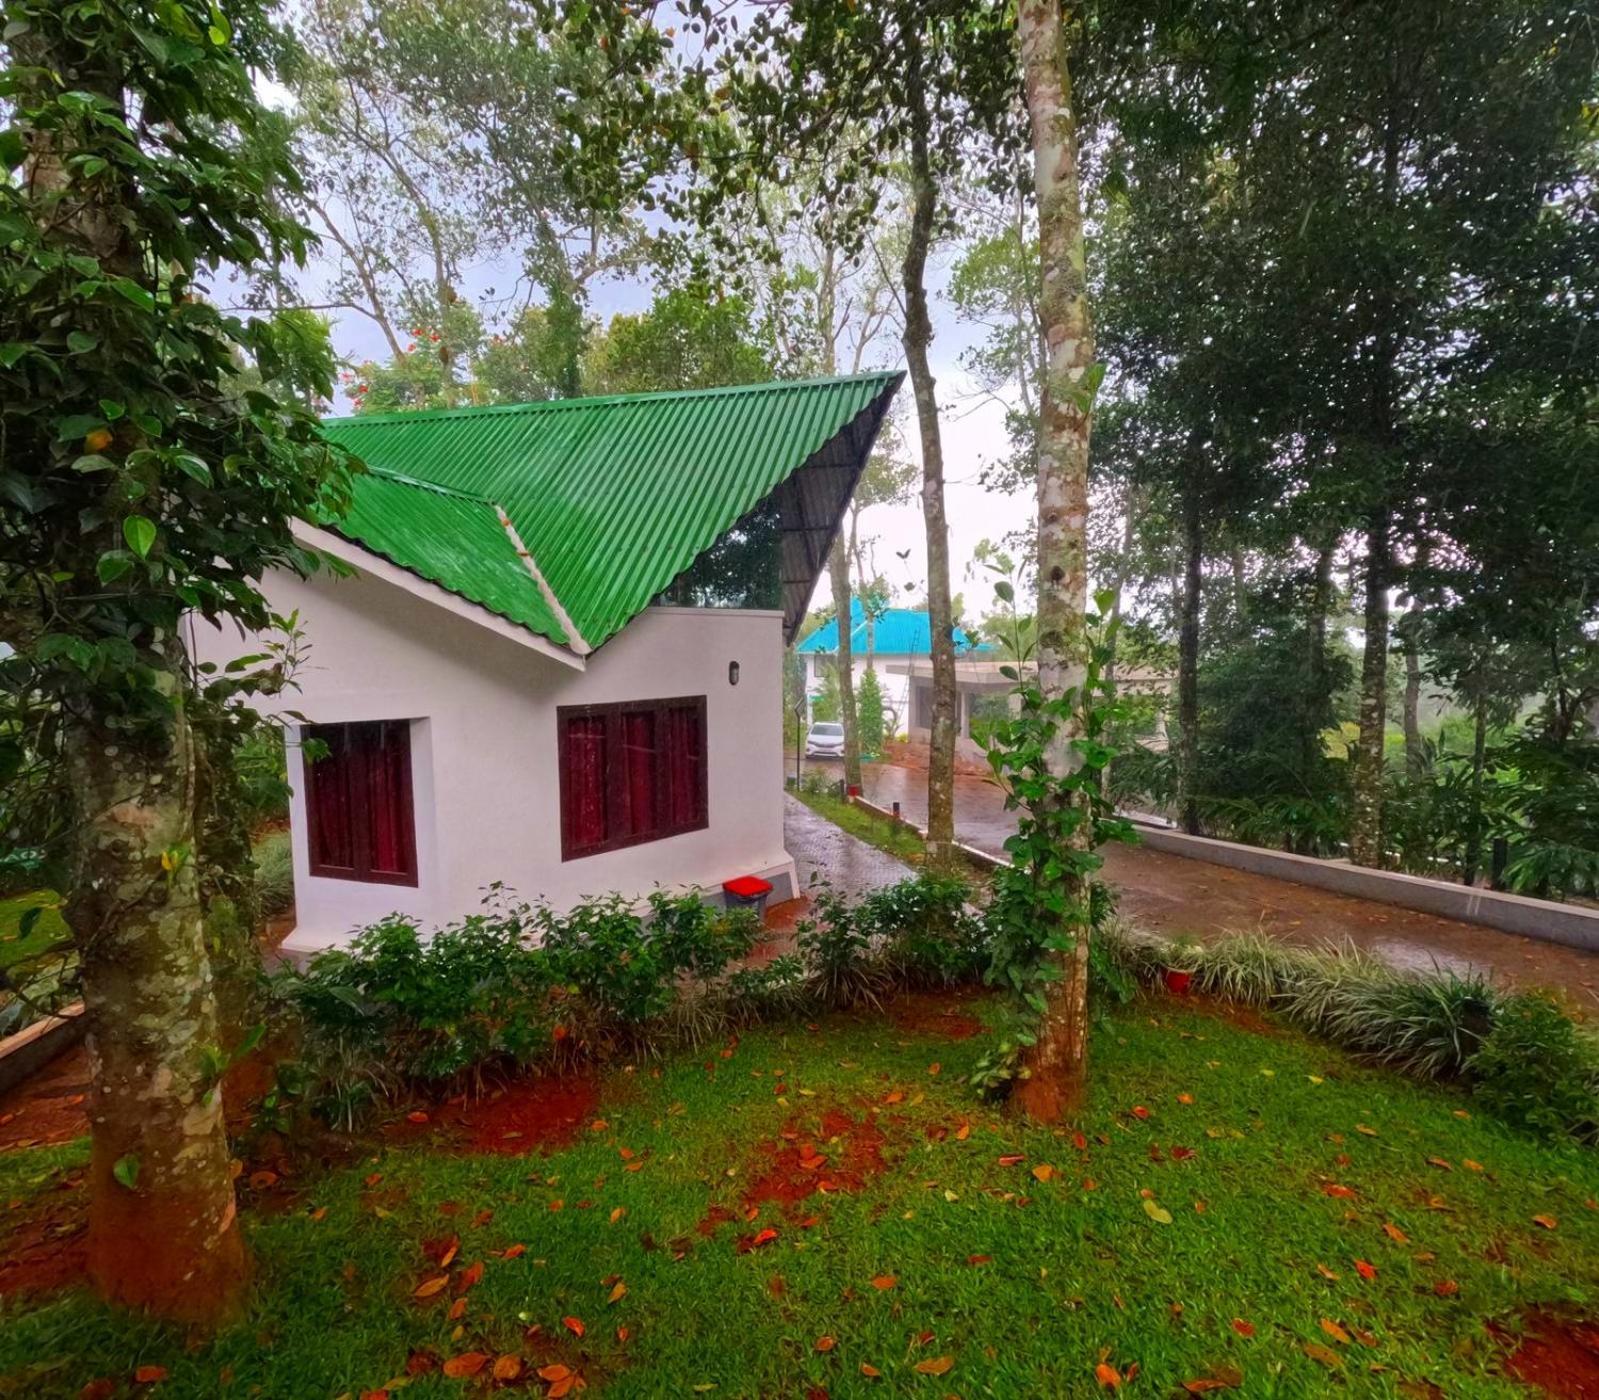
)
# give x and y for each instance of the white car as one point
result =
(825, 740)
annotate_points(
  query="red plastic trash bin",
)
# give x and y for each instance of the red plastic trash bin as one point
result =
(747, 892)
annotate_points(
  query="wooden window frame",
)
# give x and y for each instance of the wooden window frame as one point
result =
(614, 772)
(361, 832)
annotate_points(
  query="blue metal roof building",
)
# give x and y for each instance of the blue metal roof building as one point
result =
(896, 632)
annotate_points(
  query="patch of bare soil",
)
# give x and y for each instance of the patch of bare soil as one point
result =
(935, 1013)
(42, 1243)
(836, 1154)
(536, 1114)
(1555, 1352)
(1246, 1018)
(49, 1107)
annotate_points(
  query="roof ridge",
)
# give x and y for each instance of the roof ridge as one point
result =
(766, 386)
(404, 479)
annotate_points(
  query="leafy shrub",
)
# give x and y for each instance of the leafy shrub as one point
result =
(840, 961)
(1526, 1060)
(520, 984)
(429, 1008)
(274, 874)
(1539, 1070)
(927, 932)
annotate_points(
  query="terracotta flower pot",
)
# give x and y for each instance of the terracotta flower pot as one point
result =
(1178, 982)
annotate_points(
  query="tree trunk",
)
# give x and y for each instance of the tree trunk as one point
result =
(163, 1233)
(838, 571)
(918, 335)
(1479, 753)
(225, 867)
(1240, 588)
(1316, 697)
(1365, 826)
(1057, 1064)
(1188, 664)
(1410, 631)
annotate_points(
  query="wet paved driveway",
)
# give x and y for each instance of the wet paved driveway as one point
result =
(1179, 896)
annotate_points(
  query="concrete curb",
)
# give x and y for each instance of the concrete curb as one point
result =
(27, 1052)
(1509, 913)
(1539, 919)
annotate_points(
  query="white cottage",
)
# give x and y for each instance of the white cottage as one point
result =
(554, 655)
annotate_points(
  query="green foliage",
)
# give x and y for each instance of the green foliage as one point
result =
(869, 708)
(274, 874)
(1524, 1058)
(136, 481)
(1539, 1070)
(1046, 898)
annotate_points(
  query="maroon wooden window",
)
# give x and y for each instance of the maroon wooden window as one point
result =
(630, 773)
(358, 802)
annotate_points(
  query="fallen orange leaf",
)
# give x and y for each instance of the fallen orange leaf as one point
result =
(618, 1292)
(883, 1282)
(826, 1343)
(507, 1367)
(1365, 1270)
(1547, 1221)
(457, 1309)
(574, 1325)
(1107, 1375)
(515, 1251)
(1244, 1329)
(432, 1286)
(1333, 1330)
(149, 1375)
(1394, 1233)
(870, 1371)
(1043, 1171)
(469, 1363)
(935, 1365)
(1326, 1355)
(554, 1372)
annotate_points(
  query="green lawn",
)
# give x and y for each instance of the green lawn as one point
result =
(895, 838)
(1023, 1275)
(15, 947)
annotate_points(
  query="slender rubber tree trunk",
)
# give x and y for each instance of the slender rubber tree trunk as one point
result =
(918, 335)
(1188, 664)
(1472, 864)
(1240, 587)
(163, 1232)
(1315, 715)
(1415, 758)
(1057, 1064)
(838, 571)
(1365, 827)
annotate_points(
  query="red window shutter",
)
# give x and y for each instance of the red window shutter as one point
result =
(332, 828)
(686, 767)
(583, 769)
(630, 773)
(358, 803)
(637, 789)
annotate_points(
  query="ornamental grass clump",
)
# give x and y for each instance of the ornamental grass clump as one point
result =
(1522, 1057)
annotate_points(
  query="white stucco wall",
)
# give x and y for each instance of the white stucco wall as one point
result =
(896, 689)
(485, 780)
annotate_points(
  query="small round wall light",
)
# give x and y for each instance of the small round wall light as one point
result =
(732, 673)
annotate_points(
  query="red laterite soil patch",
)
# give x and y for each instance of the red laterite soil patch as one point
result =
(839, 1153)
(1559, 1354)
(934, 1013)
(49, 1107)
(527, 1115)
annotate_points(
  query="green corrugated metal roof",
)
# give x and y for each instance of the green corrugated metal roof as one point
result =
(451, 539)
(613, 497)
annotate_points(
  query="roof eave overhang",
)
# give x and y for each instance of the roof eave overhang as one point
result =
(814, 498)
(374, 565)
